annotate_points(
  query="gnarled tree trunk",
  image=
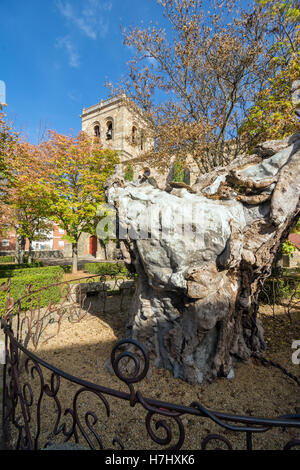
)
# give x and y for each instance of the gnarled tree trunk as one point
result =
(211, 248)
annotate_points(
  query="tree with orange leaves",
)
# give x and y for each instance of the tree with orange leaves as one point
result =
(197, 75)
(8, 140)
(59, 180)
(77, 168)
(26, 205)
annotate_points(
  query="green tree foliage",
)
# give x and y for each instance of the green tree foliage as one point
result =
(273, 114)
(287, 247)
(60, 180)
(178, 172)
(77, 170)
(128, 175)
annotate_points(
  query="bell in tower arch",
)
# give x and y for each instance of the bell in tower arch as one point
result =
(109, 130)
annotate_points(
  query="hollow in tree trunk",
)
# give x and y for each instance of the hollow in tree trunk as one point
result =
(211, 248)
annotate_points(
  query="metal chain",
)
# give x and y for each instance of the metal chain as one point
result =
(263, 360)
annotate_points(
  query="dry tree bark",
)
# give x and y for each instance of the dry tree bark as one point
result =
(195, 306)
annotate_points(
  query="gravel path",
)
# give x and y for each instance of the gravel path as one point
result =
(2, 342)
(83, 349)
(1, 402)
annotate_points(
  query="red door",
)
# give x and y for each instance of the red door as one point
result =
(93, 245)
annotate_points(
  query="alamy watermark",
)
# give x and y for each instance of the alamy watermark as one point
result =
(2, 92)
(142, 221)
(296, 354)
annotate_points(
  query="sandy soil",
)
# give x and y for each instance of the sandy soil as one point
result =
(76, 276)
(82, 349)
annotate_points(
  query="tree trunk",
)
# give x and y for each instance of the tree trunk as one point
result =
(20, 249)
(30, 252)
(105, 251)
(75, 257)
(104, 245)
(211, 248)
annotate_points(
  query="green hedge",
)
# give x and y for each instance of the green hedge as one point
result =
(11, 259)
(106, 268)
(37, 264)
(38, 277)
(66, 267)
(7, 259)
(17, 271)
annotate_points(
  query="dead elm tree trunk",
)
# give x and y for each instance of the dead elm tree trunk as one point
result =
(211, 248)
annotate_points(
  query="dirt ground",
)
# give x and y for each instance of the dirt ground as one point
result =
(82, 350)
(76, 276)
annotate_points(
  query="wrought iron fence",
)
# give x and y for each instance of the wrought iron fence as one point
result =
(24, 424)
(282, 289)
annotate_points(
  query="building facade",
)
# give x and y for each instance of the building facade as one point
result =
(53, 242)
(120, 126)
(8, 242)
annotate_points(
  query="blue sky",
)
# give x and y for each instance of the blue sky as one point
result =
(55, 56)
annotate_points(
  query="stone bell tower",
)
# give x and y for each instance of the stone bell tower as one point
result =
(119, 125)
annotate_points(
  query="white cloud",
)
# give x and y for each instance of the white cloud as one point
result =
(90, 16)
(66, 43)
(151, 60)
(74, 96)
(2, 92)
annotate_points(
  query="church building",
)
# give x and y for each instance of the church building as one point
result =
(120, 126)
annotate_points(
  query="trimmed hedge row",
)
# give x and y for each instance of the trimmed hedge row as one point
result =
(66, 267)
(7, 259)
(35, 264)
(20, 266)
(11, 259)
(13, 272)
(37, 278)
(108, 269)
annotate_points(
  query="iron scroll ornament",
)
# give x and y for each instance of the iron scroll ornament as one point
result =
(164, 423)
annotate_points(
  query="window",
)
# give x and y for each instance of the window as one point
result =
(133, 135)
(97, 131)
(109, 132)
(142, 140)
(61, 243)
(45, 245)
(61, 231)
(5, 243)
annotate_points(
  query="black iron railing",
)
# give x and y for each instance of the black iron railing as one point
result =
(24, 404)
